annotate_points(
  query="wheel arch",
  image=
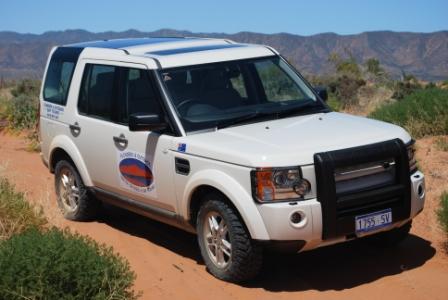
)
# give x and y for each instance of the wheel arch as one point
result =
(208, 181)
(62, 147)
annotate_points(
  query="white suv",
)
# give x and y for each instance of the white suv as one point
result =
(222, 139)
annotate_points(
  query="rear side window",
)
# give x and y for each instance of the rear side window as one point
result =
(97, 95)
(113, 93)
(59, 75)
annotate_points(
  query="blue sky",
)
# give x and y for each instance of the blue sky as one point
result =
(298, 17)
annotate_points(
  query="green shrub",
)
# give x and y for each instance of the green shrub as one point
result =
(57, 264)
(26, 87)
(16, 214)
(334, 103)
(422, 113)
(346, 88)
(3, 108)
(22, 112)
(405, 87)
(442, 213)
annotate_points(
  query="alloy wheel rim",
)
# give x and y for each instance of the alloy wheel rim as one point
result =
(217, 239)
(69, 190)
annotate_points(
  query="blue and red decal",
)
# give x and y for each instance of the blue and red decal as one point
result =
(136, 172)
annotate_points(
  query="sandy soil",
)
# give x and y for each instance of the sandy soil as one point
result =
(168, 263)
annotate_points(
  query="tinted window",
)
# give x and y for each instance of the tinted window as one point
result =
(237, 92)
(59, 74)
(278, 86)
(137, 95)
(113, 93)
(97, 94)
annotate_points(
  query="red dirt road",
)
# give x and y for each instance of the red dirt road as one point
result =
(168, 264)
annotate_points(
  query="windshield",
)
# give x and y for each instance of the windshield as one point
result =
(228, 93)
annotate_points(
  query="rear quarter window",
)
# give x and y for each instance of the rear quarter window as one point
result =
(59, 74)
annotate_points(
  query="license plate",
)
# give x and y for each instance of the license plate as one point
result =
(373, 221)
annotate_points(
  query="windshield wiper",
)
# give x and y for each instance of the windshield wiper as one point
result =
(277, 114)
(244, 118)
(299, 108)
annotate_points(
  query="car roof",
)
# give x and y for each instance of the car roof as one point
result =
(181, 51)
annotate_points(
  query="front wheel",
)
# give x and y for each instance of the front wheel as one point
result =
(226, 246)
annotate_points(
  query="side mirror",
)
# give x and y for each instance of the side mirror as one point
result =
(143, 122)
(321, 92)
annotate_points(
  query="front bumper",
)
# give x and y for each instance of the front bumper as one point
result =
(277, 218)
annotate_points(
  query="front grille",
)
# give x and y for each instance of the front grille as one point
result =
(365, 176)
(360, 180)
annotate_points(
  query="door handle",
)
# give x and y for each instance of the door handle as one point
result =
(75, 129)
(120, 141)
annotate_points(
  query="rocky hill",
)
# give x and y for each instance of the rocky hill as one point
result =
(424, 55)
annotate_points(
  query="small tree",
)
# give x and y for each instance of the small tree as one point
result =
(373, 66)
(345, 66)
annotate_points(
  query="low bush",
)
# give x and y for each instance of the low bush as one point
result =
(442, 213)
(26, 87)
(405, 87)
(334, 103)
(16, 214)
(422, 113)
(57, 264)
(21, 112)
(40, 263)
(345, 88)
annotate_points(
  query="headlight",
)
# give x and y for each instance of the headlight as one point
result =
(411, 156)
(279, 184)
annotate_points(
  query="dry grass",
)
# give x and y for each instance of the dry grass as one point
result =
(16, 214)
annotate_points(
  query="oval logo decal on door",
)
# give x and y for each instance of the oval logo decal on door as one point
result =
(136, 172)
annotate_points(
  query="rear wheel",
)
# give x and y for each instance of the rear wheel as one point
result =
(226, 246)
(72, 195)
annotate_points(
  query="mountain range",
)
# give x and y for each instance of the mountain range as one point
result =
(424, 55)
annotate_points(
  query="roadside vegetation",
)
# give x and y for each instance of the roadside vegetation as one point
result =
(42, 262)
(16, 214)
(367, 89)
(442, 214)
(19, 102)
(422, 113)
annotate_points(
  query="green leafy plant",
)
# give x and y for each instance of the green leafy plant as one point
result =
(373, 66)
(442, 213)
(334, 103)
(16, 214)
(57, 264)
(22, 112)
(422, 113)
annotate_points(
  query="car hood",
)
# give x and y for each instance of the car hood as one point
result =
(288, 142)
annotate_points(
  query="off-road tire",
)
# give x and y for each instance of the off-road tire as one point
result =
(246, 255)
(87, 207)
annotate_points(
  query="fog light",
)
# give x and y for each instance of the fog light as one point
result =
(421, 191)
(296, 218)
